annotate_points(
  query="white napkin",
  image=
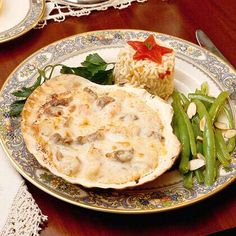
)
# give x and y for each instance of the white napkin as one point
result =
(19, 214)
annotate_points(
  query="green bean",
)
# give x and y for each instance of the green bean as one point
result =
(187, 123)
(228, 113)
(199, 172)
(175, 126)
(201, 97)
(218, 165)
(195, 125)
(220, 156)
(184, 139)
(221, 144)
(213, 147)
(184, 101)
(216, 105)
(209, 149)
(231, 142)
(199, 147)
(188, 180)
(199, 175)
(197, 132)
(204, 89)
(205, 99)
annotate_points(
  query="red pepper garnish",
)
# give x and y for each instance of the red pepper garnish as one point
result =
(149, 49)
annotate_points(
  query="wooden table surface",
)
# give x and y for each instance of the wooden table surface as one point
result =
(174, 17)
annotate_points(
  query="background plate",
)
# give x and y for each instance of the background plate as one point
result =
(193, 66)
(85, 3)
(18, 18)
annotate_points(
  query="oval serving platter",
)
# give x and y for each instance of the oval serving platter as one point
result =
(18, 19)
(194, 65)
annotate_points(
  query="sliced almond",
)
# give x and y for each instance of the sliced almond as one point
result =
(220, 125)
(202, 123)
(200, 156)
(200, 138)
(192, 109)
(196, 164)
(230, 133)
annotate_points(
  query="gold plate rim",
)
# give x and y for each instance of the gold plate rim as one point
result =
(118, 211)
(4, 40)
(101, 209)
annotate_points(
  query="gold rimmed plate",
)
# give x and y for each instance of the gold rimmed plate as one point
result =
(85, 3)
(194, 65)
(17, 19)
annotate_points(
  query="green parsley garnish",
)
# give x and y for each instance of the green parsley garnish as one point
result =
(94, 68)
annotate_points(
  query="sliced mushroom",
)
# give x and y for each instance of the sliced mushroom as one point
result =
(57, 138)
(52, 107)
(98, 135)
(53, 111)
(91, 93)
(103, 101)
(122, 155)
(82, 140)
(62, 100)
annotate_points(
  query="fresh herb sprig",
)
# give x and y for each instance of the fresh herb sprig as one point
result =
(17, 106)
(94, 68)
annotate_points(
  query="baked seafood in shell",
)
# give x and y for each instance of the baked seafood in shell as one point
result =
(99, 136)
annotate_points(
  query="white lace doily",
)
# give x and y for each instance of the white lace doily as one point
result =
(19, 213)
(58, 12)
(25, 217)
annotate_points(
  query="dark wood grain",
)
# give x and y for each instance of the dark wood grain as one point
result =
(211, 215)
(174, 17)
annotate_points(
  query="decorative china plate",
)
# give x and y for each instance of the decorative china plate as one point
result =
(82, 2)
(193, 66)
(85, 3)
(18, 18)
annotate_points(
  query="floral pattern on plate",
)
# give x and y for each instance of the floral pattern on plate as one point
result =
(33, 16)
(167, 192)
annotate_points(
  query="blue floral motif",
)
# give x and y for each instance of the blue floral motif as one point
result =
(144, 202)
(133, 200)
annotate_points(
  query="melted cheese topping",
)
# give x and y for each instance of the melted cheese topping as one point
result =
(93, 134)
